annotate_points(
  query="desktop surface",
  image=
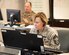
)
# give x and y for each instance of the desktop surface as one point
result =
(8, 51)
(1, 53)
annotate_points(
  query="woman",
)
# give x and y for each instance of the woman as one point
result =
(50, 36)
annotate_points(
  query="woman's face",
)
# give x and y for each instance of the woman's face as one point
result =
(38, 23)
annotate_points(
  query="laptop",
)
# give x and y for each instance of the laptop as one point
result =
(17, 39)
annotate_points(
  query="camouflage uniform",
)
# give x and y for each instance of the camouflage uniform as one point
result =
(50, 37)
(29, 17)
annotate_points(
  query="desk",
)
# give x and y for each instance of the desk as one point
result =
(64, 54)
(9, 50)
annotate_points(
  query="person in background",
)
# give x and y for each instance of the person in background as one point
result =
(50, 36)
(27, 16)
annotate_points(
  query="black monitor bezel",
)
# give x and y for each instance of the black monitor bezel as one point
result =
(14, 12)
(1, 17)
(34, 42)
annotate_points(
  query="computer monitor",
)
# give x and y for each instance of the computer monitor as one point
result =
(1, 17)
(13, 15)
(61, 10)
(17, 39)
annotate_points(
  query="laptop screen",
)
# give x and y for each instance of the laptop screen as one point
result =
(17, 39)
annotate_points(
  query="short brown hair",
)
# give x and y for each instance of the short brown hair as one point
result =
(29, 3)
(42, 17)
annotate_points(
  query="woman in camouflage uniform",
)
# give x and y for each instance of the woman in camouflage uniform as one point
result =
(50, 36)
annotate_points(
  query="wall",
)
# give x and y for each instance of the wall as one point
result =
(40, 5)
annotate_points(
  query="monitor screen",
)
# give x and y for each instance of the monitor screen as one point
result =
(15, 14)
(17, 39)
(61, 9)
(1, 17)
